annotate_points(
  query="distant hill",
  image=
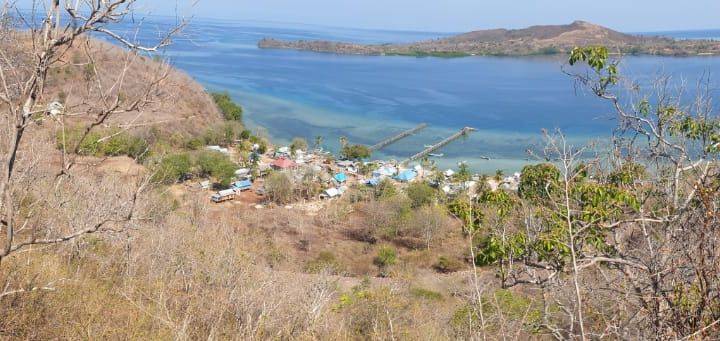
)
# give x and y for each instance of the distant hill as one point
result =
(535, 40)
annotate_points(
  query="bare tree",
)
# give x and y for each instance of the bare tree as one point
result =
(33, 45)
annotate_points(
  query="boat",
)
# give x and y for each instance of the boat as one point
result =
(436, 155)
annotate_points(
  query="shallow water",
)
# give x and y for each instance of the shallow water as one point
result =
(509, 100)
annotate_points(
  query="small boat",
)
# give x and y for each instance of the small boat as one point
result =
(428, 146)
(436, 155)
(485, 158)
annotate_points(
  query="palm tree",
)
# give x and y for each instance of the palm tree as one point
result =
(499, 175)
(343, 141)
(318, 142)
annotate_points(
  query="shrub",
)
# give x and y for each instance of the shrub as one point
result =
(217, 165)
(537, 181)
(227, 107)
(194, 143)
(279, 188)
(447, 265)
(298, 143)
(325, 261)
(172, 167)
(420, 194)
(95, 143)
(426, 294)
(385, 189)
(386, 256)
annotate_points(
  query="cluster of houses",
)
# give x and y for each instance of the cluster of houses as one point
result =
(338, 176)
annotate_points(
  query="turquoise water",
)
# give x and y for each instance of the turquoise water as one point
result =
(509, 100)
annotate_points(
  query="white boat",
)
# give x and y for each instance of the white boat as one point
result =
(436, 155)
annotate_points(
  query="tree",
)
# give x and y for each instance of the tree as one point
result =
(463, 173)
(420, 194)
(298, 143)
(355, 152)
(230, 110)
(216, 165)
(538, 181)
(28, 58)
(280, 188)
(318, 142)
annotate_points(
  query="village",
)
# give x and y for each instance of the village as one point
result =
(336, 175)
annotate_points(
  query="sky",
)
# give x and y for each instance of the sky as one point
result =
(454, 15)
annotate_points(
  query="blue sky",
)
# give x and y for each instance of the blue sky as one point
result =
(456, 15)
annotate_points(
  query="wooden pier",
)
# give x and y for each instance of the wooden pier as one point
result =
(463, 132)
(390, 140)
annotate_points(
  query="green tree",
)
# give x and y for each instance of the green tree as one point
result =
(216, 165)
(230, 110)
(298, 143)
(420, 194)
(538, 180)
(172, 167)
(355, 152)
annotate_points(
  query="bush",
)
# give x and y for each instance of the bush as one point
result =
(217, 165)
(420, 194)
(279, 188)
(325, 261)
(227, 107)
(172, 167)
(355, 152)
(385, 189)
(386, 256)
(537, 181)
(447, 265)
(95, 143)
(426, 294)
(298, 143)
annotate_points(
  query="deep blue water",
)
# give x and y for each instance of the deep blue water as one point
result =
(509, 100)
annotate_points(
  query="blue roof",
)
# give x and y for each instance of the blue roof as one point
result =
(242, 184)
(407, 175)
(341, 177)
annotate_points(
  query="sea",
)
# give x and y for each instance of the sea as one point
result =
(511, 101)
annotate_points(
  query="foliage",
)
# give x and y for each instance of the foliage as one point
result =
(463, 173)
(325, 262)
(385, 189)
(386, 256)
(172, 167)
(420, 194)
(216, 165)
(627, 174)
(280, 188)
(426, 294)
(298, 143)
(538, 181)
(109, 142)
(447, 265)
(355, 152)
(230, 110)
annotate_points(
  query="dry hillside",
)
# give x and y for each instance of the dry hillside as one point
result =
(546, 39)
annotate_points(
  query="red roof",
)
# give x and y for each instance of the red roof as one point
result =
(283, 163)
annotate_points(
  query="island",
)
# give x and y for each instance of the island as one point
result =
(535, 40)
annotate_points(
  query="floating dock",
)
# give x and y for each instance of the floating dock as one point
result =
(390, 140)
(463, 132)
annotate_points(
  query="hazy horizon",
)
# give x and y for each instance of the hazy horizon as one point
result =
(449, 16)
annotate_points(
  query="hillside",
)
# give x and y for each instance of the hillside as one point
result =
(547, 39)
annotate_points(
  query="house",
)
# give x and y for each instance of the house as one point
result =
(243, 185)
(373, 182)
(340, 178)
(406, 175)
(345, 163)
(242, 172)
(330, 193)
(223, 195)
(283, 163)
(385, 170)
